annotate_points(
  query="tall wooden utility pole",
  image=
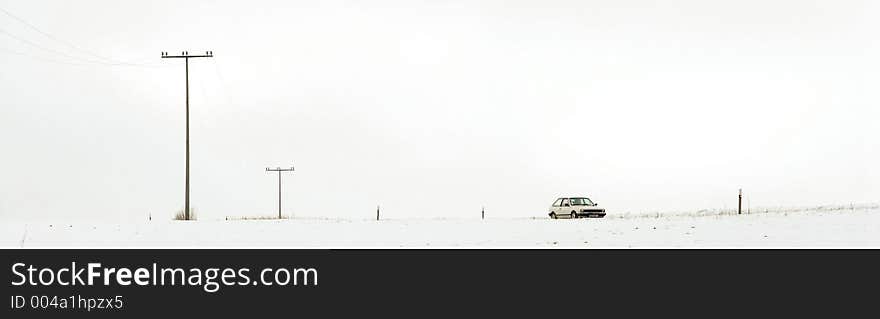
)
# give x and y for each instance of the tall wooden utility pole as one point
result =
(279, 170)
(186, 56)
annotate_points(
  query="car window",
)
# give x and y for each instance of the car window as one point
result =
(558, 202)
(581, 201)
(565, 202)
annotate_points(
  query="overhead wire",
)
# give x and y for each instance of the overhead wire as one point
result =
(101, 59)
(221, 80)
(73, 57)
(50, 36)
(7, 51)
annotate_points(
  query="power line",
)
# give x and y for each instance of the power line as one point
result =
(102, 59)
(222, 81)
(7, 51)
(50, 36)
(33, 44)
(76, 58)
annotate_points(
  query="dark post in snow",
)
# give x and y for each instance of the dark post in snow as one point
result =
(377, 212)
(483, 213)
(739, 209)
(279, 170)
(185, 55)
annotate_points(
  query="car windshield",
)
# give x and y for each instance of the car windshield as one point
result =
(581, 201)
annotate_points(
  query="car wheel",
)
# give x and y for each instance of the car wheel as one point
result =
(552, 215)
(574, 215)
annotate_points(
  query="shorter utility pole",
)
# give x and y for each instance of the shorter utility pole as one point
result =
(279, 170)
(377, 212)
(739, 209)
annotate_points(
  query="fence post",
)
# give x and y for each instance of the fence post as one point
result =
(739, 209)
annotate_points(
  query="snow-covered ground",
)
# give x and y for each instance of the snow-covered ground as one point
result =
(815, 227)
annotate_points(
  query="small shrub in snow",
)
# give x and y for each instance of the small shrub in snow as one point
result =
(180, 216)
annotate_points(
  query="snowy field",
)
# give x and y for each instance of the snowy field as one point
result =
(814, 227)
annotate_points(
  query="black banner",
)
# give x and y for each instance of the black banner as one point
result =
(415, 283)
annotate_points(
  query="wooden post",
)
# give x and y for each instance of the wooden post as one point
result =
(279, 170)
(279, 194)
(739, 209)
(483, 213)
(186, 201)
(186, 56)
(377, 212)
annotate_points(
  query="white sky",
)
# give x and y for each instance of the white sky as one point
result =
(436, 108)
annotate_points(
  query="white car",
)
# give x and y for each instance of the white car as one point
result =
(574, 207)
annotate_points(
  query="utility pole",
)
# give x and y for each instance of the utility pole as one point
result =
(186, 56)
(279, 170)
(739, 209)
